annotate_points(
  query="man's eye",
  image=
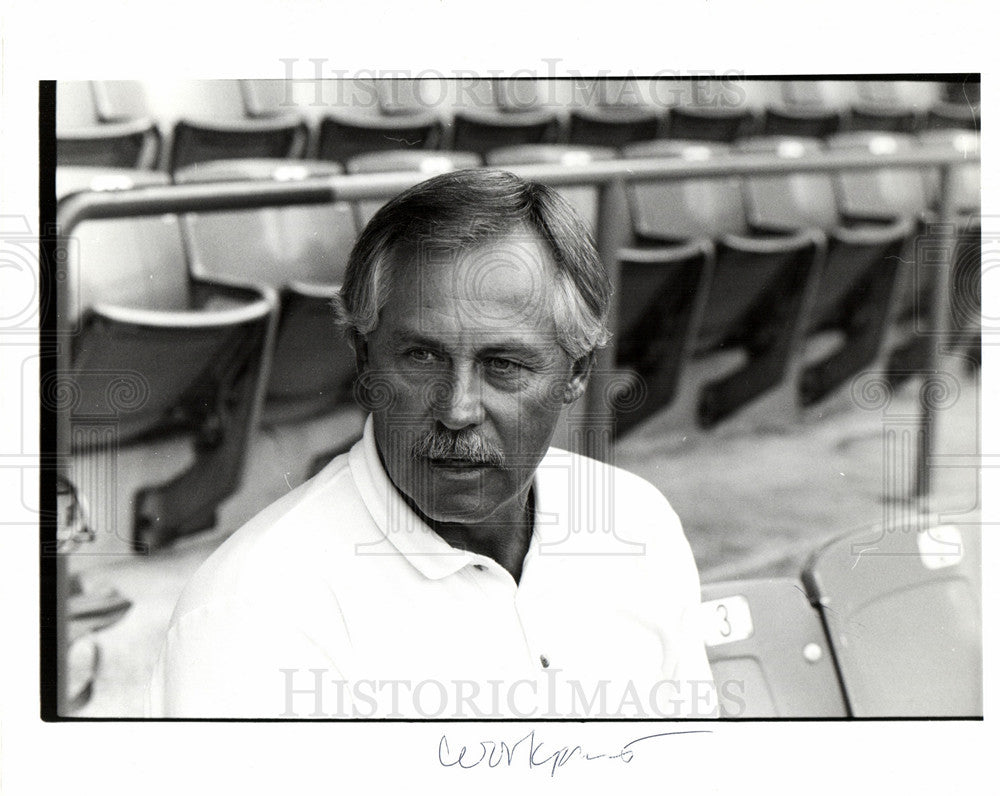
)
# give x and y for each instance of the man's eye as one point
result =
(422, 356)
(501, 366)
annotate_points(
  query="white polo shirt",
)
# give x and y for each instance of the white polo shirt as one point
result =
(338, 601)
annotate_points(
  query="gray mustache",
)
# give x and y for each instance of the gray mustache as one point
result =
(467, 447)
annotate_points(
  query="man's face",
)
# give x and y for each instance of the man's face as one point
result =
(466, 377)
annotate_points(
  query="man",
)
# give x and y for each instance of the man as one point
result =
(452, 565)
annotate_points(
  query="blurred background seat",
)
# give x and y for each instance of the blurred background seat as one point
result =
(481, 131)
(808, 122)
(203, 141)
(660, 299)
(158, 352)
(344, 136)
(429, 163)
(719, 124)
(300, 252)
(768, 651)
(583, 198)
(855, 294)
(759, 291)
(902, 608)
(129, 145)
(614, 127)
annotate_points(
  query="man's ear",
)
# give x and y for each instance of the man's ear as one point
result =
(360, 345)
(578, 378)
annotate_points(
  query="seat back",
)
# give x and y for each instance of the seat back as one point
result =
(755, 284)
(684, 208)
(722, 125)
(271, 246)
(75, 105)
(125, 145)
(516, 95)
(659, 298)
(612, 126)
(879, 192)
(481, 132)
(881, 120)
(794, 200)
(300, 250)
(199, 142)
(583, 198)
(768, 651)
(805, 122)
(429, 163)
(902, 608)
(162, 374)
(129, 262)
(118, 100)
(343, 137)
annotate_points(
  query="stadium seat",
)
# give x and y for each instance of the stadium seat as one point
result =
(718, 124)
(768, 651)
(964, 92)
(429, 163)
(965, 183)
(343, 137)
(760, 288)
(959, 107)
(806, 122)
(75, 104)
(155, 351)
(857, 283)
(880, 193)
(263, 99)
(660, 297)
(902, 608)
(202, 141)
(816, 94)
(121, 100)
(614, 127)
(480, 131)
(299, 251)
(757, 297)
(948, 116)
(583, 198)
(793, 200)
(899, 194)
(879, 118)
(518, 95)
(123, 145)
(676, 210)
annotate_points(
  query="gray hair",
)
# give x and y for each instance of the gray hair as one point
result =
(466, 210)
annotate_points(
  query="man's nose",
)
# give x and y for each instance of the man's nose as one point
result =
(458, 403)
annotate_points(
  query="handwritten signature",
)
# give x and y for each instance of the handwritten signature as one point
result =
(501, 753)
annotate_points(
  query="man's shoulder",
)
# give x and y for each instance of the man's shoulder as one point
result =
(629, 491)
(277, 548)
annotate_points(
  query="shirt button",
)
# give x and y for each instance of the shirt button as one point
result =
(545, 661)
(480, 567)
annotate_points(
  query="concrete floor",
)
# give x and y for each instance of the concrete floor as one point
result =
(753, 502)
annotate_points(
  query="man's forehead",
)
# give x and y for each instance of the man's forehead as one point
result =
(522, 248)
(508, 281)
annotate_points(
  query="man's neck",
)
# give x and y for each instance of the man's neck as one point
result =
(504, 536)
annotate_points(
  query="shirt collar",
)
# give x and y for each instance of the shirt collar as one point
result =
(407, 534)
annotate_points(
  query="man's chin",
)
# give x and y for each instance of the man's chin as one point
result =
(456, 509)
